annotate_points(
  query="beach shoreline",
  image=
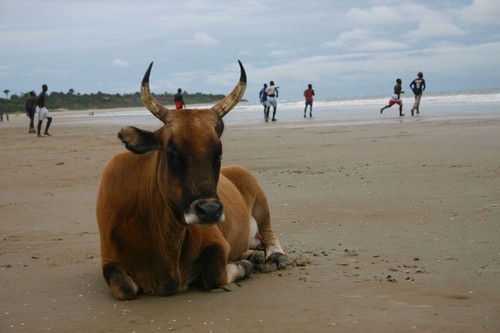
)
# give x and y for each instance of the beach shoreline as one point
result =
(393, 227)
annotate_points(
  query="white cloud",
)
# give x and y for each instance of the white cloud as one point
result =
(415, 21)
(379, 15)
(120, 62)
(204, 39)
(281, 53)
(435, 28)
(363, 40)
(351, 37)
(199, 39)
(482, 12)
(344, 47)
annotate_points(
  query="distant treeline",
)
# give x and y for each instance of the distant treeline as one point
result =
(77, 101)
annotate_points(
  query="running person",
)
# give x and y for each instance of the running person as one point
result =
(396, 98)
(418, 87)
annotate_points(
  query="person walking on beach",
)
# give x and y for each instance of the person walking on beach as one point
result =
(308, 94)
(396, 98)
(179, 100)
(418, 87)
(31, 110)
(272, 94)
(43, 113)
(263, 100)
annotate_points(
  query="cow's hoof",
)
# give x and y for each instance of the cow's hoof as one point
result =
(237, 270)
(122, 286)
(256, 257)
(247, 266)
(280, 259)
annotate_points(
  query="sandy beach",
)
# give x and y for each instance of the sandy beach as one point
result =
(393, 227)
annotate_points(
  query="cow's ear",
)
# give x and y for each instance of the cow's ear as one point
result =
(139, 141)
(219, 128)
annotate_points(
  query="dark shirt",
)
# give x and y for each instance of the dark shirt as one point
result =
(40, 100)
(179, 98)
(418, 86)
(30, 103)
(397, 89)
(263, 95)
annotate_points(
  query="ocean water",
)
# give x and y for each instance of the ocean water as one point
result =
(342, 111)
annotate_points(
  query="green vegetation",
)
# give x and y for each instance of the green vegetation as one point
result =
(77, 101)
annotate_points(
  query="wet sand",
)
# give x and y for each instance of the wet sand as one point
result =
(393, 227)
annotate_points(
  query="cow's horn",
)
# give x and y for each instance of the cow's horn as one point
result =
(229, 102)
(158, 110)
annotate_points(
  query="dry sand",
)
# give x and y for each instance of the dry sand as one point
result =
(394, 227)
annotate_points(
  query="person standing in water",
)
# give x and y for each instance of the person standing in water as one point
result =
(308, 94)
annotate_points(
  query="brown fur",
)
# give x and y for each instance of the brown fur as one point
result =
(143, 200)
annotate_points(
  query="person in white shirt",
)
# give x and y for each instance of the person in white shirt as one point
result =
(272, 94)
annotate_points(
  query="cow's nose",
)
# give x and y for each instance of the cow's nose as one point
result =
(208, 210)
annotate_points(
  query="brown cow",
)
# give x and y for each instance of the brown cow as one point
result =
(169, 216)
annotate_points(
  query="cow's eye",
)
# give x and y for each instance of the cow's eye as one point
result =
(172, 154)
(218, 159)
(175, 158)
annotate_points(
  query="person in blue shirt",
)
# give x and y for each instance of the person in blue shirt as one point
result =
(418, 87)
(263, 100)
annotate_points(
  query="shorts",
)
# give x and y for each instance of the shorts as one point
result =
(271, 101)
(31, 112)
(309, 103)
(43, 113)
(395, 100)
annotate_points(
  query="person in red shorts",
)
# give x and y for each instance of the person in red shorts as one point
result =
(396, 98)
(179, 100)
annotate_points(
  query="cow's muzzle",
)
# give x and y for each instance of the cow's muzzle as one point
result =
(205, 211)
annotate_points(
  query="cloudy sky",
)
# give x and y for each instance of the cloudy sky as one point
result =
(343, 47)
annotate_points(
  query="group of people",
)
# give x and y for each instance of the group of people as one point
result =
(36, 104)
(268, 98)
(268, 95)
(417, 86)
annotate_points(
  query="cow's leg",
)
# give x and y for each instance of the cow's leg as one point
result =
(261, 234)
(216, 271)
(122, 286)
(271, 243)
